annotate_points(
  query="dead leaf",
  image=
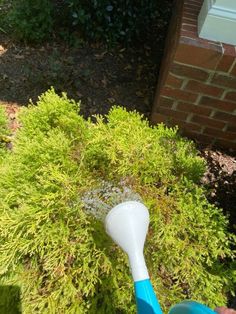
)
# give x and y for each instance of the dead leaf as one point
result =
(139, 72)
(12, 116)
(128, 67)
(19, 56)
(139, 94)
(79, 94)
(111, 100)
(100, 56)
(104, 82)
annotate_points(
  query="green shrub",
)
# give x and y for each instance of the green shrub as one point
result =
(3, 122)
(4, 8)
(109, 21)
(60, 256)
(4, 132)
(31, 20)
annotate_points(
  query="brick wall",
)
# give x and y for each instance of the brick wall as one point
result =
(197, 82)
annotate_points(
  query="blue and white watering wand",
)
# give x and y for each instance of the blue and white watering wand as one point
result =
(127, 224)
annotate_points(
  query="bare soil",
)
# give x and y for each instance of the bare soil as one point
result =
(220, 178)
(93, 75)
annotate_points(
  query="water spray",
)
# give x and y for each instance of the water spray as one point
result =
(126, 222)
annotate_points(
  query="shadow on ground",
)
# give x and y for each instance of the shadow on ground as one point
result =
(94, 75)
(221, 180)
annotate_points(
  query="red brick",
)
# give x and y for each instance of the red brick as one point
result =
(173, 113)
(199, 87)
(197, 4)
(232, 128)
(229, 55)
(209, 44)
(189, 72)
(225, 117)
(218, 104)
(178, 94)
(174, 81)
(189, 21)
(190, 11)
(171, 121)
(166, 102)
(190, 28)
(158, 118)
(192, 6)
(189, 126)
(205, 56)
(193, 109)
(225, 63)
(231, 96)
(190, 52)
(208, 122)
(185, 126)
(223, 80)
(191, 16)
(220, 134)
(203, 138)
(229, 50)
(226, 144)
(187, 34)
(196, 41)
(233, 72)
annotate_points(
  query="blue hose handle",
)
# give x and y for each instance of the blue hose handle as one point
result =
(147, 302)
(145, 298)
(190, 307)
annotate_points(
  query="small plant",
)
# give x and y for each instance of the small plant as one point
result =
(58, 253)
(5, 7)
(31, 20)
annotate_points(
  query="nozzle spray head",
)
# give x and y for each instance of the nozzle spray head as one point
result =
(127, 224)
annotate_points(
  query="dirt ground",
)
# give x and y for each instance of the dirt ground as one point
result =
(94, 75)
(220, 177)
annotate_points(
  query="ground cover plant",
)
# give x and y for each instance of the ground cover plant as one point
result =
(107, 21)
(59, 255)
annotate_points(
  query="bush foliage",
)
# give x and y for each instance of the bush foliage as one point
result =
(109, 21)
(60, 256)
(3, 131)
(31, 20)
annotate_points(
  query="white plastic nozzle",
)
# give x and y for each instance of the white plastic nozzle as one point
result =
(127, 224)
